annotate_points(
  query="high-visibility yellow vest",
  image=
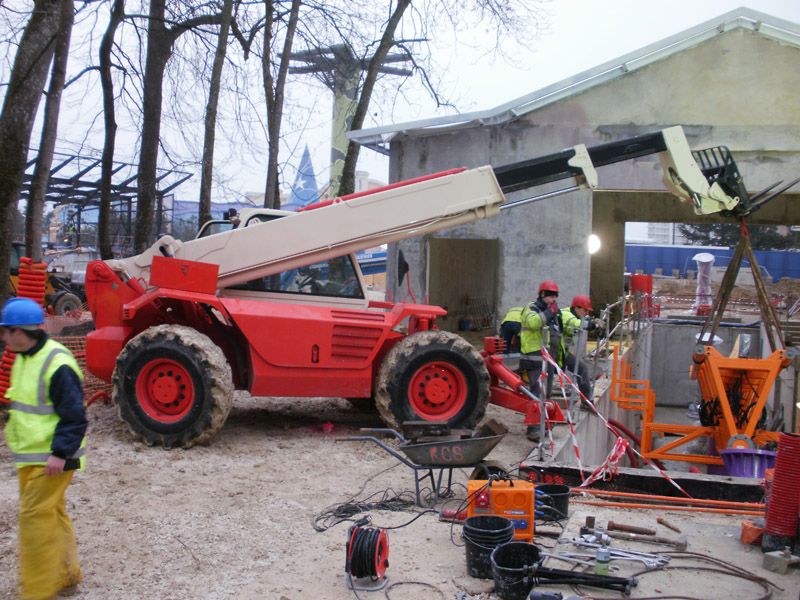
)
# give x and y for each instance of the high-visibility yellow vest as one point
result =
(569, 324)
(532, 336)
(514, 315)
(32, 418)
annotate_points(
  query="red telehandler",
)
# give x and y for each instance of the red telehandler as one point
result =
(277, 305)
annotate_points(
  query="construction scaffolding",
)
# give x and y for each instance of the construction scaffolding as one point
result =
(74, 190)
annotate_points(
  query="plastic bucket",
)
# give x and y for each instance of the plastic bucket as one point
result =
(748, 462)
(512, 569)
(552, 501)
(481, 535)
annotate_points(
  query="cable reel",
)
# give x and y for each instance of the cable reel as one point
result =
(367, 556)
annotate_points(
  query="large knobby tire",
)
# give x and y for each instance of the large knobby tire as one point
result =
(432, 376)
(66, 303)
(173, 386)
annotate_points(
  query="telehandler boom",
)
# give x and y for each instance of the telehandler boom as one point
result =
(277, 306)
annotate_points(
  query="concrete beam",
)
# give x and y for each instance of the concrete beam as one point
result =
(612, 209)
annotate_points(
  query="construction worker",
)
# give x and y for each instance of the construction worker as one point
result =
(538, 323)
(510, 328)
(570, 320)
(46, 435)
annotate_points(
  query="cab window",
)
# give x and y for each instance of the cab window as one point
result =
(335, 277)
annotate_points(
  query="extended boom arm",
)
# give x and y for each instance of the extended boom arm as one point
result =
(421, 206)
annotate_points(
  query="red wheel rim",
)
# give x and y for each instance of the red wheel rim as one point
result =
(165, 390)
(437, 391)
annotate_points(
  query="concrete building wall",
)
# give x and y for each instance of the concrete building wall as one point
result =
(740, 89)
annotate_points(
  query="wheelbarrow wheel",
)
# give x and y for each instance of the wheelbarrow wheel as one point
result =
(432, 376)
(489, 468)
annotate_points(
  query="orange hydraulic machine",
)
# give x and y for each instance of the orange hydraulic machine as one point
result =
(734, 390)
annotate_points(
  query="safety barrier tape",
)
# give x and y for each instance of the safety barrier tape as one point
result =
(660, 471)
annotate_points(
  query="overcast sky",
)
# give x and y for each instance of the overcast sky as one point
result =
(581, 34)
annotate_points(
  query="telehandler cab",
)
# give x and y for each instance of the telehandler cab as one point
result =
(277, 305)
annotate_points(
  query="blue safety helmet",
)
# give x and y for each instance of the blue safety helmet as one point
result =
(21, 312)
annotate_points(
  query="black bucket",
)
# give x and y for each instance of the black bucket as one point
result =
(481, 535)
(512, 568)
(552, 501)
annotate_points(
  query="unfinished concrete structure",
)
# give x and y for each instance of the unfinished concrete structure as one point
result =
(730, 81)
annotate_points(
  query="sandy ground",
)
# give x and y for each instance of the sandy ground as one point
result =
(233, 519)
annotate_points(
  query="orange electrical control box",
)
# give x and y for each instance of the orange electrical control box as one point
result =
(513, 499)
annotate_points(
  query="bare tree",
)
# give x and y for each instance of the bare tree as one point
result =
(274, 88)
(204, 210)
(110, 131)
(160, 42)
(387, 42)
(21, 103)
(41, 173)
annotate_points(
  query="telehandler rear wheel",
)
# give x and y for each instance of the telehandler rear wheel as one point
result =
(432, 376)
(173, 386)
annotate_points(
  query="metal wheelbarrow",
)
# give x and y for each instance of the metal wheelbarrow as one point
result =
(431, 445)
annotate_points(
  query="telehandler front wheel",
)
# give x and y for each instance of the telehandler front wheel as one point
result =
(173, 386)
(432, 376)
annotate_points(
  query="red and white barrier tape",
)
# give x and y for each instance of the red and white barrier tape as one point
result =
(660, 471)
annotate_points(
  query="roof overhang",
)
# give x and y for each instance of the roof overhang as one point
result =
(377, 138)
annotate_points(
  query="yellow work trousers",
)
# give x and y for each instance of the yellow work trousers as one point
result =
(48, 553)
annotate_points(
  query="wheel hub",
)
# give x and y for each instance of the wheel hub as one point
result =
(437, 391)
(165, 390)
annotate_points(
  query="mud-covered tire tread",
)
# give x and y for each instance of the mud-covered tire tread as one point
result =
(215, 377)
(436, 344)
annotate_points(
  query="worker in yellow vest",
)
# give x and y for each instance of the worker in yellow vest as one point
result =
(539, 323)
(510, 328)
(570, 320)
(46, 435)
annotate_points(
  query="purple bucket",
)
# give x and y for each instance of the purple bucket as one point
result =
(748, 462)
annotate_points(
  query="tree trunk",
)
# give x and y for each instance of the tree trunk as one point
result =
(110, 133)
(159, 49)
(160, 41)
(24, 91)
(204, 210)
(44, 162)
(274, 91)
(348, 180)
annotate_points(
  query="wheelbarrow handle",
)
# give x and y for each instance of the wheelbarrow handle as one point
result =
(385, 430)
(389, 449)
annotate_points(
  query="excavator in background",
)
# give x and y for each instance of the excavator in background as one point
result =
(277, 305)
(59, 296)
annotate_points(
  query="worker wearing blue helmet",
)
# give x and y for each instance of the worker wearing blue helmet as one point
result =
(46, 435)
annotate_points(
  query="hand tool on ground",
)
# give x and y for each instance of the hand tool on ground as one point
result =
(649, 560)
(578, 559)
(668, 525)
(548, 576)
(612, 526)
(678, 543)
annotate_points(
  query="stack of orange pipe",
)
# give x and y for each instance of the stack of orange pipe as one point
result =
(31, 284)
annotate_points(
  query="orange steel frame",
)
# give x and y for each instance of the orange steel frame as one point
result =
(713, 371)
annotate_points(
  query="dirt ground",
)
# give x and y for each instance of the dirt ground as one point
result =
(234, 519)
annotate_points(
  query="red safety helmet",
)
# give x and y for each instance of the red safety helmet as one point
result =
(548, 285)
(582, 302)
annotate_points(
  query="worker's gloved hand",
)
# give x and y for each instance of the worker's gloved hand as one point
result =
(549, 313)
(599, 323)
